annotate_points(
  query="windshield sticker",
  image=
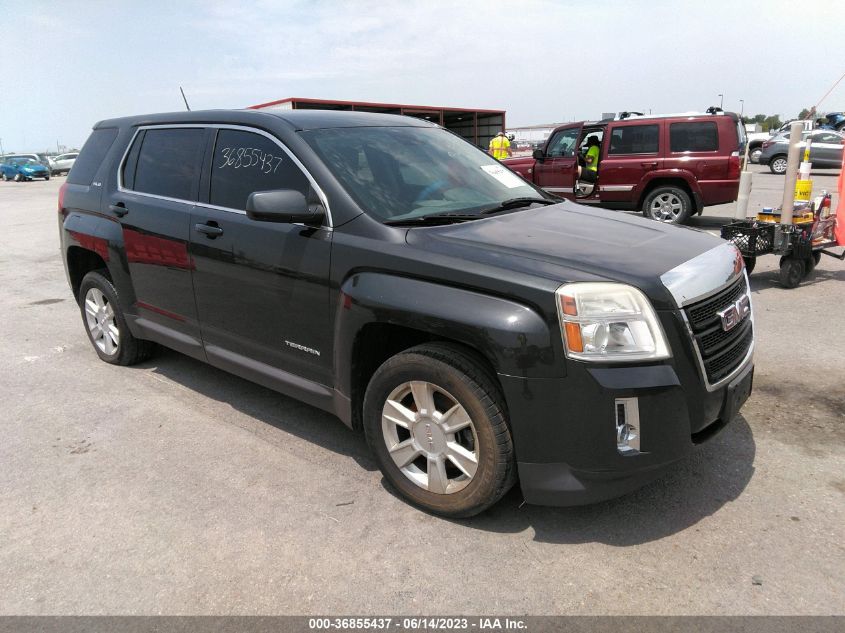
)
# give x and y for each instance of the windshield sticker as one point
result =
(503, 175)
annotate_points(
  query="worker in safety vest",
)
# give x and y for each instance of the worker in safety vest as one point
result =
(500, 146)
(592, 156)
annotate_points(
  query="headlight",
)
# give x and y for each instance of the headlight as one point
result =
(609, 322)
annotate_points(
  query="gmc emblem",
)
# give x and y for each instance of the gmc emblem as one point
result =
(735, 313)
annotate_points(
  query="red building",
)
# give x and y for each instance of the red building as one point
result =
(476, 126)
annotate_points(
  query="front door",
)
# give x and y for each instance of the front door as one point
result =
(261, 288)
(826, 149)
(558, 170)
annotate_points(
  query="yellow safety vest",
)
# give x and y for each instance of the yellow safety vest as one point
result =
(499, 146)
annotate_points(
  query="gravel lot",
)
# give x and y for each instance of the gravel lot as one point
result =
(175, 488)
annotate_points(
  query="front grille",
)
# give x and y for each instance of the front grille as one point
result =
(721, 352)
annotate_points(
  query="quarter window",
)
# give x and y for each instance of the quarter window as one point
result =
(169, 162)
(245, 162)
(91, 156)
(634, 139)
(701, 136)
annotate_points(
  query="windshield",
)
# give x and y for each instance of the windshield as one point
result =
(398, 173)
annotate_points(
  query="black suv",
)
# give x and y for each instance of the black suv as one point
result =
(478, 330)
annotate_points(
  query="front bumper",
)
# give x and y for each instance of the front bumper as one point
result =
(565, 429)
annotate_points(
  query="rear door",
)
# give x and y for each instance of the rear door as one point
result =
(261, 287)
(158, 185)
(632, 149)
(694, 146)
(557, 172)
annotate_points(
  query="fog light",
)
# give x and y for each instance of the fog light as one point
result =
(627, 426)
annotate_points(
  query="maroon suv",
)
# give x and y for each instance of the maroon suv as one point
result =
(670, 166)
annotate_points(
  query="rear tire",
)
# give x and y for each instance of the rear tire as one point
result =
(778, 165)
(754, 155)
(668, 204)
(437, 424)
(105, 323)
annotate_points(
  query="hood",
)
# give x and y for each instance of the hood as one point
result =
(33, 168)
(571, 242)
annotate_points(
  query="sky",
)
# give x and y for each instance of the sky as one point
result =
(69, 63)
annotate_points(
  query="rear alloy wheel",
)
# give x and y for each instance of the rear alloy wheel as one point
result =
(105, 323)
(754, 155)
(436, 422)
(668, 204)
(778, 165)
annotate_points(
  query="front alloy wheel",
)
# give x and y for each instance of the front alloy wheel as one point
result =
(430, 437)
(436, 421)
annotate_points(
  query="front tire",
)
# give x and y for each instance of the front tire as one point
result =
(778, 165)
(18, 178)
(437, 424)
(754, 155)
(668, 204)
(105, 323)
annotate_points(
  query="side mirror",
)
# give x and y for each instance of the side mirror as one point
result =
(538, 154)
(281, 205)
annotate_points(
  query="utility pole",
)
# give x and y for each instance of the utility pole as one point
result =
(721, 101)
(2, 153)
(741, 108)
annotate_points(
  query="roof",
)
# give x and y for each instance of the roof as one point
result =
(296, 119)
(367, 104)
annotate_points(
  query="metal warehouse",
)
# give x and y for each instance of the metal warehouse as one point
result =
(475, 125)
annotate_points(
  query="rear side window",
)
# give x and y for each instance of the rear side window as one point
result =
(245, 162)
(634, 139)
(169, 162)
(701, 136)
(91, 156)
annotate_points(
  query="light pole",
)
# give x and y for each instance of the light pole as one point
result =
(2, 153)
(741, 108)
(721, 101)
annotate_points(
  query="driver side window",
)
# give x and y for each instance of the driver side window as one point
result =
(563, 143)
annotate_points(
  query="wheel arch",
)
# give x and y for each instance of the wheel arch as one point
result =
(80, 262)
(671, 181)
(381, 315)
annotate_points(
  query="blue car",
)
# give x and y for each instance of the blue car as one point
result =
(18, 169)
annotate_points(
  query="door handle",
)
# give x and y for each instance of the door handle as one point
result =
(209, 230)
(649, 165)
(119, 209)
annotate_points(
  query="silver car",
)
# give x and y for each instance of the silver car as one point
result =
(825, 150)
(62, 163)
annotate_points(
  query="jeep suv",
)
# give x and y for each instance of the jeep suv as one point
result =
(478, 330)
(668, 166)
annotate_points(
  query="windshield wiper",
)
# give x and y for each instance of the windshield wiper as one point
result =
(516, 203)
(433, 219)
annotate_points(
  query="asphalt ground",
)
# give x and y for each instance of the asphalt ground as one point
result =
(175, 488)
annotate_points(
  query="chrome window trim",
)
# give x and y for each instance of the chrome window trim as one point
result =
(218, 126)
